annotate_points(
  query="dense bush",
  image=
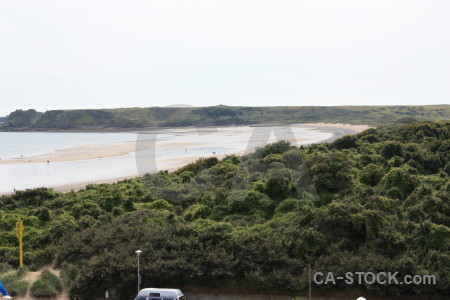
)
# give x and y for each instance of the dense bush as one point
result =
(4, 267)
(376, 201)
(47, 285)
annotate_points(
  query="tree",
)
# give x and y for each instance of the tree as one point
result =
(346, 142)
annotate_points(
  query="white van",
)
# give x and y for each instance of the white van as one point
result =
(160, 294)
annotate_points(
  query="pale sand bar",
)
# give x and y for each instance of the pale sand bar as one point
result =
(119, 149)
(236, 137)
(86, 152)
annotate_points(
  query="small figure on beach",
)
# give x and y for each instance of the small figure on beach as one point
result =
(48, 162)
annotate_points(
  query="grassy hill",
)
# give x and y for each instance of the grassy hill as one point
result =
(132, 118)
(22, 119)
(377, 201)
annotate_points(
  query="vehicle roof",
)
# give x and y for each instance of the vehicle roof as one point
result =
(163, 292)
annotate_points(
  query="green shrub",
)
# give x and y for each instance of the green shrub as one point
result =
(197, 211)
(5, 267)
(21, 272)
(14, 283)
(371, 174)
(47, 285)
(42, 257)
(159, 204)
(68, 274)
(345, 142)
(289, 205)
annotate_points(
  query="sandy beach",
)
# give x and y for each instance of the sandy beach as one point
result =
(118, 149)
(236, 139)
(348, 127)
(169, 165)
(87, 152)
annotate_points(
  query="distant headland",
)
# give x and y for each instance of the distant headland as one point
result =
(121, 119)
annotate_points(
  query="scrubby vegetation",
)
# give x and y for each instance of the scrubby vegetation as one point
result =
(47, 285)
(17, 286)
(106, 119)
(376, 201)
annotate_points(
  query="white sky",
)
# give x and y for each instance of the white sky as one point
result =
(57, 54)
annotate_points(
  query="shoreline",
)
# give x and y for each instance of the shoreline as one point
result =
(99, 151)
(89, 152)
(150, 129)
(172, 165)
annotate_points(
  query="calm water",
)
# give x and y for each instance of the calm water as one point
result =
(172, 147)
(15, 144)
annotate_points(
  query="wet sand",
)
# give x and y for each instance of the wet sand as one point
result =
(88, 152)
(119, 149)
(239, 136)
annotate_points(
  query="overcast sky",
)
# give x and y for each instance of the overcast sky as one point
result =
(59, 54)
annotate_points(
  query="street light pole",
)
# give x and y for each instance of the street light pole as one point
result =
(138, 253)
(309, 280)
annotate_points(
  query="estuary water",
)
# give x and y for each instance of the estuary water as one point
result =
(24, 155)
(13, 145)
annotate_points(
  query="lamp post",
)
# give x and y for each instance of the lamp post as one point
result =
(138, 253)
